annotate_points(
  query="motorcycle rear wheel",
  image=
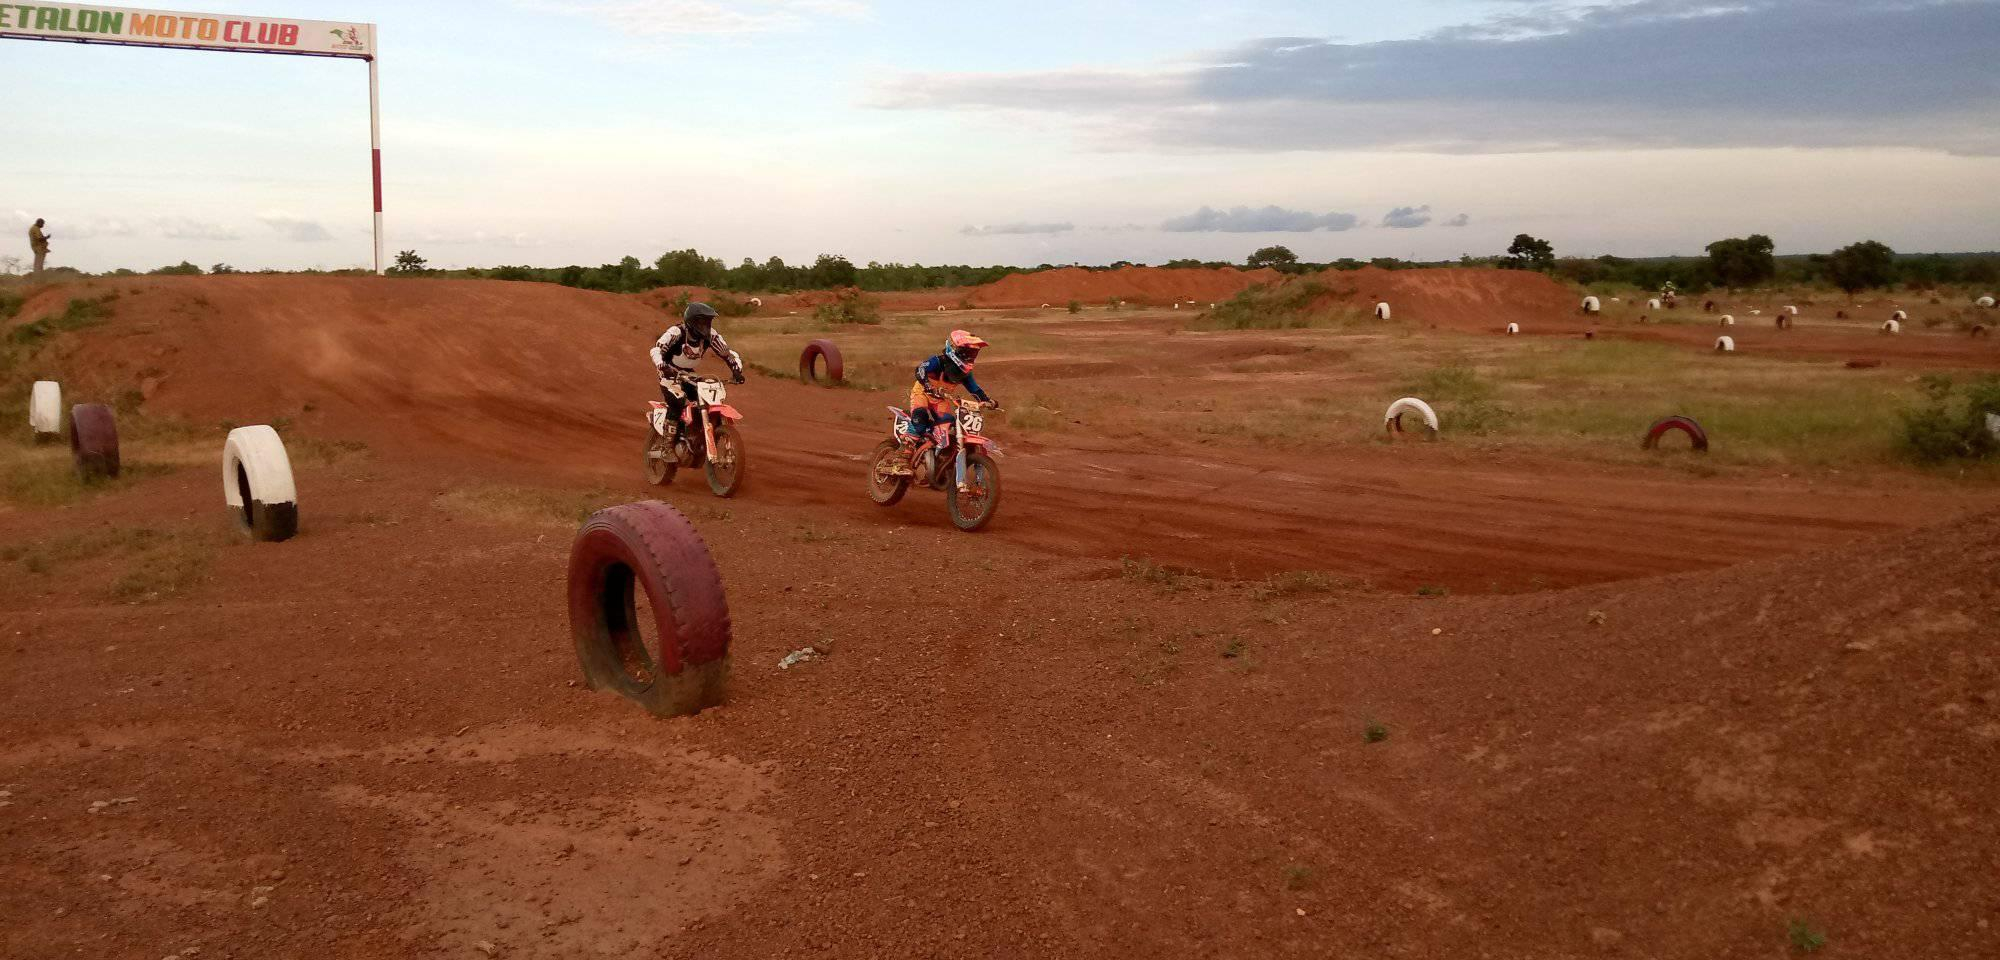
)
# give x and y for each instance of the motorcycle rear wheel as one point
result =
(886, 489)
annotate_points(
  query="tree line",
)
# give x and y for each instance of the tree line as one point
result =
(1739, 262)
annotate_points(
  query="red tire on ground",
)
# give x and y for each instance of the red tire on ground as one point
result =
(93, 440)
(1684, 425)
(808, 372)
(1978, 330)
(1784, 322)
(649, 552)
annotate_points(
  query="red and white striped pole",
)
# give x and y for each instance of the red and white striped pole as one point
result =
(375, 146)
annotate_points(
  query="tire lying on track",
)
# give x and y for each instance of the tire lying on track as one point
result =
(1591, 305)
(45, 411)
(836, 371)
(1892, 326)
(257, 484)
(1784, 321)
(1513, 328)
(1392, 421)
(649, 552)
(93, 440)
(1725, 344)
(1683, 424)
(1382, 311)
(1978, 330)
(1727, 321)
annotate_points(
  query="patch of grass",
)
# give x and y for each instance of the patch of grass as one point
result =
(1299, 876)
(78, 315)
(1953, 423)
(811, 534)
(1296, 583)
(46, 476)
(158, 565)
(1374, 732)
(1433, 591)
(1465, 401)
(1284, 307)
(1804, 936)
(1144, 570)
(1234, 648)
(10, 304)
(541, 507)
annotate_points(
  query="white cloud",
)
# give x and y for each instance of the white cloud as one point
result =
(296, 230)
(1271, 219)
(1461, 220)
(188, 228)
(1408, 217)
(1010, 229)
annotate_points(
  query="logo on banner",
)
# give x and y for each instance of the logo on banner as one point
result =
(348, 39)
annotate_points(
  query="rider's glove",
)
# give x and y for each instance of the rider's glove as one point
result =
(737, 377)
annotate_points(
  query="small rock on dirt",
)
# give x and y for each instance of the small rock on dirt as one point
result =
(799, 656)
(1596, 618)
(487, 947)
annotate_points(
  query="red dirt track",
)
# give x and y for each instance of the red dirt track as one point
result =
(1662, 715)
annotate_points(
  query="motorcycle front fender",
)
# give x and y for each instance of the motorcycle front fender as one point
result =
(728, 412)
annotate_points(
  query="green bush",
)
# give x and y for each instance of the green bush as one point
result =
(849, 307)
(1076, 306)
(10, 304)
(78, 315)
(1284, 307)
(1952, 424)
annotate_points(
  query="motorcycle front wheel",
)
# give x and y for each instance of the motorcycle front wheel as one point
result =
(976, 496)
(883, 487)
(726, 465)
(661, 464)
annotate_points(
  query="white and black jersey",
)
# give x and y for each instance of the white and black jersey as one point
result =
(676, 352)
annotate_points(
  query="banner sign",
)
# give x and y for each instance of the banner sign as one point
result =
(90, 23)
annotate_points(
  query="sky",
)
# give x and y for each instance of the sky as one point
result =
(551, 132)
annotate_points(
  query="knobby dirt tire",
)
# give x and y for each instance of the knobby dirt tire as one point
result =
(45, 411)
(93, 440)
(727, 438)
(892, 494)
(978, 465)
(1683, 424)
(836, 371)
(257, 484)
(649, 549)
(1392, 421)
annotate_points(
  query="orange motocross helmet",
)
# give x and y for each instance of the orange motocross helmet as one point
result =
(962, 348)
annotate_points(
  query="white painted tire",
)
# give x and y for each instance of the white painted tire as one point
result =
(1591, 305)
(1899, 315)
(1653, 304)
(1794, 311)
(1725, 344)
(45, 409)
(1382, 311)
(756, 301)
(1756, 313)
(1513, 328)
(1045, 306)
(1892, 326)
(1986, 302)
(1392, 421)
(1728, 321)
(257, 484)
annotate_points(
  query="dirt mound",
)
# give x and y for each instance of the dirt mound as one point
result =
(1138, 286)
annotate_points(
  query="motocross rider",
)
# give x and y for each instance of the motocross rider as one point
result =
(680, 350)
(931, 396)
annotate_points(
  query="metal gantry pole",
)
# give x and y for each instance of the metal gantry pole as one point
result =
(375, 148)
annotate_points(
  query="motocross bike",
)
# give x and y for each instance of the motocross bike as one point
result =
(714, 444)
(955, 458)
